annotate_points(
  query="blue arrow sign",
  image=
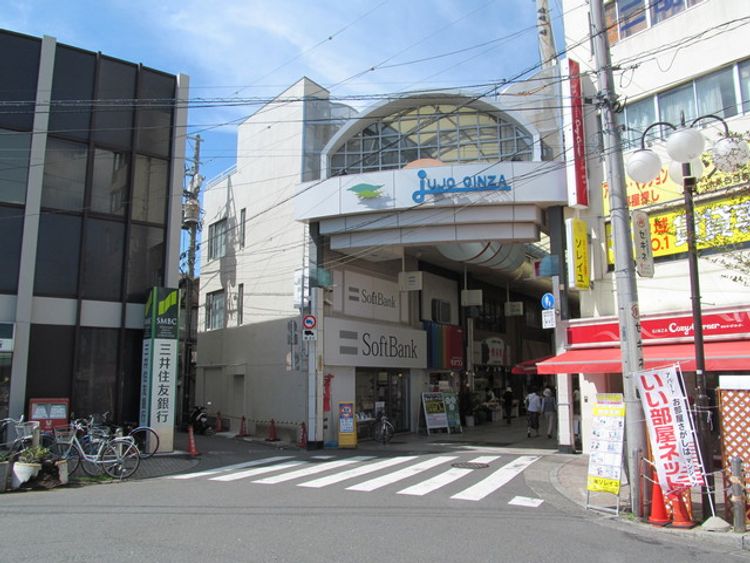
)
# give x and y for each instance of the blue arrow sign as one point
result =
(548, 301)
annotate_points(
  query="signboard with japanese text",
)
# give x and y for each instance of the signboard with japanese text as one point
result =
(579, 274)
(674, 443)
(435, 414)
(644, 257)
(663, 189)
(159, 364)
(347, 426)
(607, 435)
(721, 222)
(573, 125)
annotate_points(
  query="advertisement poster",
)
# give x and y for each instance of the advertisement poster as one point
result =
(435, 414)
(608, 433)
(347, 426)
(670, 426)
(452, 411)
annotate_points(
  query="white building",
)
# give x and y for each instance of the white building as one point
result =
(458, 190)
(691, 57)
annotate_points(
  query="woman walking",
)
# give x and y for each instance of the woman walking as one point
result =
(549, 408)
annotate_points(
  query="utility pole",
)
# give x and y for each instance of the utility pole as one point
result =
(627, 291)
(190, 222)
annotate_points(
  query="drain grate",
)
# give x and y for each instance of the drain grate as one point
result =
(470, 465)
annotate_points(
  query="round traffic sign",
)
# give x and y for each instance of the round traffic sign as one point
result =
(548, 301)
(309, 321)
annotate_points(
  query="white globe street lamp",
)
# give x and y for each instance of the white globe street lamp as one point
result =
(685, 146)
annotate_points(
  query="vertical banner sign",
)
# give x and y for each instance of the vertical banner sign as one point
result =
(159, 364)
(644, 256)
(347, 426)
(607, 434)
(578, 190)
(435, 415)
(579, 273)
(452, 412)
(670, 426)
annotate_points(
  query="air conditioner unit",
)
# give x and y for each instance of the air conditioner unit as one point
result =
(441, 311)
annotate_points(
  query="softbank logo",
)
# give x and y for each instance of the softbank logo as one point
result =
(382, 346)
(371, 297)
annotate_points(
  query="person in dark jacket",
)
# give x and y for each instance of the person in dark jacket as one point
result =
(508, 404)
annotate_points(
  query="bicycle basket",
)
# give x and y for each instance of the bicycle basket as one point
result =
(65, 435)
(26, 429)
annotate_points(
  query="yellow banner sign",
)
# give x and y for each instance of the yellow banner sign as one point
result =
(663, 190)
(718, 223)
(579, 272)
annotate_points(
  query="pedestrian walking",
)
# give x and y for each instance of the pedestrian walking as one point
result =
(508, 404)
(533, 410)
(549, 409)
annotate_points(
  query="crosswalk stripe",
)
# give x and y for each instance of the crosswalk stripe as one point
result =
(312, 470)
(356, 472)
(445, 478)
(404, 473)
(496, 480)
(231, 467)
(257, 471)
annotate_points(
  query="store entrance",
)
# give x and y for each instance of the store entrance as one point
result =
(384, 388)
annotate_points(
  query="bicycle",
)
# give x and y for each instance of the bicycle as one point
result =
(146, 439)
(383, 429)
(118, 457)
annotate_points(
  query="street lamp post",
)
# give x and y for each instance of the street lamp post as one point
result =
(684, 147)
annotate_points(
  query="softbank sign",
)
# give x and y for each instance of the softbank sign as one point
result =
(371, 298)
(355, 343)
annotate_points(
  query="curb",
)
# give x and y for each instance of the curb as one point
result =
(730, 539)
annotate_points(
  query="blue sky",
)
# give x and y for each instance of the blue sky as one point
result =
(237, 52)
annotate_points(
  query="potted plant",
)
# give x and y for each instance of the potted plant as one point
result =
(4, 470)
(28, 464)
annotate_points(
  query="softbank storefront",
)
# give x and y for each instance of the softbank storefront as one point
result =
(415, 193)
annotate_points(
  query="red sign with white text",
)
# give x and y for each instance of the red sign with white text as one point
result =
(729, 325)
(578, 189)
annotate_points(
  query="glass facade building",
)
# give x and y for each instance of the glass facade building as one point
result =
(86, 217)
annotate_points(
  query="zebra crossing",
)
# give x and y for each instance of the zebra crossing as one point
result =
(481, 476)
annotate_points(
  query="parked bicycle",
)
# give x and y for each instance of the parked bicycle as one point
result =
(118, 457)
(145, 437)
(383, 429)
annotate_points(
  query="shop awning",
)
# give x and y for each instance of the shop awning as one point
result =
(720, 356)
(527, 367)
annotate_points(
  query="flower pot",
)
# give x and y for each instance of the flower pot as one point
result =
(4, 475)
(23, 472)
(62, 471)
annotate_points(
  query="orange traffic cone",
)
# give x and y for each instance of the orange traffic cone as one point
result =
(302, 436)
(218, 422)
(658, 516)
(272, 432)
(243, 429)
(680, 518)
(192, 450)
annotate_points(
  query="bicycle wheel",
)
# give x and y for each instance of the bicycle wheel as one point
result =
(146, 439)
(387, 433)
(377, 431)
(69, 453)
(120, 459)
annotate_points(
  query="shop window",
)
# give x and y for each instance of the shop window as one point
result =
(145, 261)
(11, 233)
(114, 111)
(14, 165)
(217, 240)
(57, 257)
(102, 260)
(215, 307)
(72, 82)
(64, 175)
(109, 186)
(150, 189)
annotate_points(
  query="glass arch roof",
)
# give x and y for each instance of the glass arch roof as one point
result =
(443, 131)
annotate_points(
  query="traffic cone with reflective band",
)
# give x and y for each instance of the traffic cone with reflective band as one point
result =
(658, 516)
(272, 432)
(243, 428)
(192, 450)
(680, 518)
(218, 422)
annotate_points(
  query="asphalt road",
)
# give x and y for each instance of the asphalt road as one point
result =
(299, 506)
